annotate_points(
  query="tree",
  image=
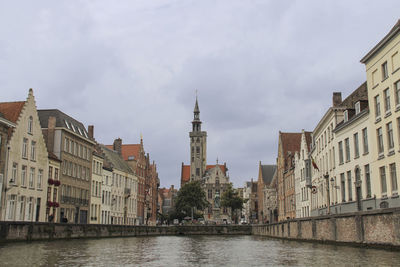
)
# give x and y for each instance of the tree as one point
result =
(190, 196)
(231, 199)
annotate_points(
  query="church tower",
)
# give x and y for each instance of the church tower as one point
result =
(198, 147)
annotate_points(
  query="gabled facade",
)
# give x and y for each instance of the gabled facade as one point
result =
(382, 65)
(301, 171)
(289, 144)
(265, 177)
(215, 184)
(25, 182)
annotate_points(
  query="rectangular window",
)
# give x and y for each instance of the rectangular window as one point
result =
(33, 150)
(393, 177)
(197, 171)
(66, 145)
(14, 174)
(350, 190)
(23, 175)
(40, 179)
(11, 207)
(377, 107)
(389, 129)
(25, 148)
(340, 152)
(56, 173)
(357, 106)
(346, 115)
(356, 150)
(385, 72)
(383, 180)
(367, 180)
(380, 140)
(343, 187)
(347, 144)
(210, 194)
(397, 92)
(50, 172)
(31, 177)
(386, 93)
(365, 140)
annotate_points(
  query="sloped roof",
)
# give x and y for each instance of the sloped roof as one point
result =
(11, 110)
(308, 136)
(185, 172)
(117, 162)
(290, 142)
(128, 150)
(361, 93)
(61, 120)
(267, 173)
(223, 169)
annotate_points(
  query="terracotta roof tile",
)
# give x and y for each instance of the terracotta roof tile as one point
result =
(308, 139)
(128, 150)
(185, 172)
(290, 142)
(11, 110)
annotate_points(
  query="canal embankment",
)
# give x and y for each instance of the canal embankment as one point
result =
(26, 231)
(379, 228)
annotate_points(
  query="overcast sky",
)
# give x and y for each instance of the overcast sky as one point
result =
(131, 67)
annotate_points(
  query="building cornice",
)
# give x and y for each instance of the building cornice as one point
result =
(381, 44)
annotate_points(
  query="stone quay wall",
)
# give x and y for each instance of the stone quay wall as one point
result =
(26, 231)
(379, 228)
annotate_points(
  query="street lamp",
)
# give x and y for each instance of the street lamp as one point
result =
(326, 176)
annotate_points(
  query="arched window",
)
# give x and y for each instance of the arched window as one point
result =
(30, 125)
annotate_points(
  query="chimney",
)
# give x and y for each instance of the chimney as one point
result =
(336, 99)
(91, 131)
(117, 146)
(51, 126)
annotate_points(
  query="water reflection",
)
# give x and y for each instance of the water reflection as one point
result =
(190, 251)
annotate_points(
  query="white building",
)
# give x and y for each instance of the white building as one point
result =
(301, 170)
(106, 195)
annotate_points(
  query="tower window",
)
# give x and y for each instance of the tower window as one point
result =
(197, 149)
(197, 171)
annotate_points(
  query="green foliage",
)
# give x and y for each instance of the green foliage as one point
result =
(231, 199)
(191, 195)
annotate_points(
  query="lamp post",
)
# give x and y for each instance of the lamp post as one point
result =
(326, 176)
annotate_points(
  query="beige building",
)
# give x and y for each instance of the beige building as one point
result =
(383, 78)
(96, 191)
(25, 184)
(68, 139)
(353, 171)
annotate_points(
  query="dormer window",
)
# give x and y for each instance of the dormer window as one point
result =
(30, 125)
(73, 128)
(346, 115)
(67, 124)
(357, 107)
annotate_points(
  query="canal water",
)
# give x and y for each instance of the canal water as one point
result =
(190, 251)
